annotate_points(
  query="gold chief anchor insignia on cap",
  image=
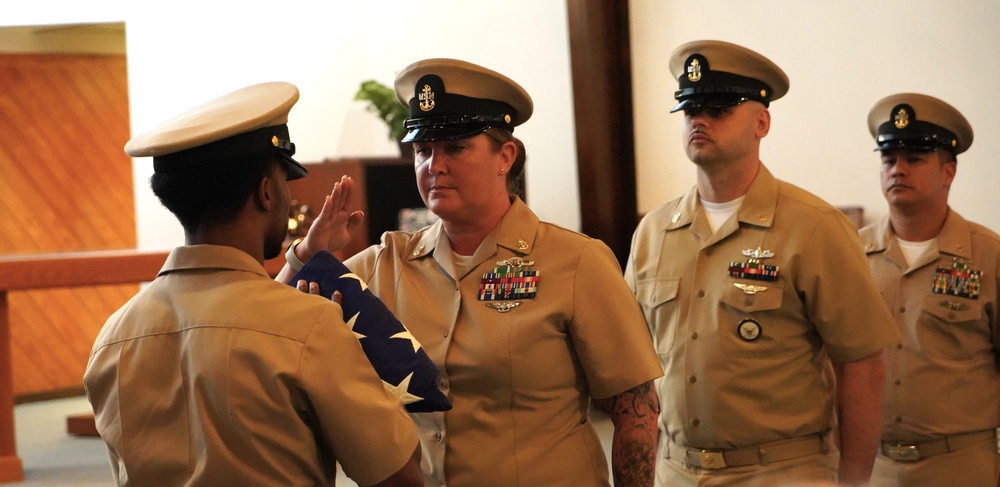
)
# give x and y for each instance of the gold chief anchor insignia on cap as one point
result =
(426, 97)
(694, 71)
(902, 118)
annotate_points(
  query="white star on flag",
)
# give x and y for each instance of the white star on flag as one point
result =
(361, 282)
(406, 335)
(351, 322)
(401, 391)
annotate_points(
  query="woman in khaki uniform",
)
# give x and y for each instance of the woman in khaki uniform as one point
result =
(526, 321)
(939, 275)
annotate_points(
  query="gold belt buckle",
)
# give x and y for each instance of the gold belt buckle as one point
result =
(711, 459)
(902, 453)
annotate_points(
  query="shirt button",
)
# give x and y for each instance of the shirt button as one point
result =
(748, 302)
(695, 422)
(899, 419)
(694, 336)
(701, 294)
(902, 309)
(899, 346)
(708, 252)
(898, 382)
(446, 334)
(692, 379)
(438, 436)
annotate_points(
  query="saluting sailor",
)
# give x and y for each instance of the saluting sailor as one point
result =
(939, 275)
(526, 321)
(751, 287)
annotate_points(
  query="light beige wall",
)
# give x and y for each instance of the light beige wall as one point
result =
(185, 52)
(841, 57)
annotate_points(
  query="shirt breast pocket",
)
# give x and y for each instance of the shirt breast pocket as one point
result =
(953, 328)
(658, 299)
(753, 312)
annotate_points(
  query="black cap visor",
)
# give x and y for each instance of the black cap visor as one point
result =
(709, 101)
(292, 167)
(919, 136)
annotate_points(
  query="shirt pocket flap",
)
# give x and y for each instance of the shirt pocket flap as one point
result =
(749, 297)
(654, 292)
(953, 309)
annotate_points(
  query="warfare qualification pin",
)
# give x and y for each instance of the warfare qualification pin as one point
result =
(749, 330)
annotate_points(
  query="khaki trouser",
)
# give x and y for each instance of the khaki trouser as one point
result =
(673, 471)
(972, 466)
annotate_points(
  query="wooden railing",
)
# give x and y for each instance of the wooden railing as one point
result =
(71, 269)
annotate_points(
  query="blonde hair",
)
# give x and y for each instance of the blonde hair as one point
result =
(515, 177)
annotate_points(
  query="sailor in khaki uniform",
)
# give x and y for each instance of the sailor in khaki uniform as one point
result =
(525, 320)
(214, 374)
(751, 287)
(939, 275)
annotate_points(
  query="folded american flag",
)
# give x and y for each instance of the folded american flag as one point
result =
(398, 358)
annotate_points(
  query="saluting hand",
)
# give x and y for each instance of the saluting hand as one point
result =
(336, 223)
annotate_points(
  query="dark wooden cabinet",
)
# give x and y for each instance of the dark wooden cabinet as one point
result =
(384, 186)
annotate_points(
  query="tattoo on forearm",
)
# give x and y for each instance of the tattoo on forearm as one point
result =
(635, 414)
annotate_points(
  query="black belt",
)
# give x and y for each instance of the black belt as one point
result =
(762, 454)
(911, 451)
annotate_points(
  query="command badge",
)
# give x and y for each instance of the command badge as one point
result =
(958, 280)
(749, 330)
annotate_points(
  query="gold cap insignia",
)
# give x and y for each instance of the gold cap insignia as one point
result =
(694, 71)
(506, 118)
(274, 140)
(902, 118)
(426, 97)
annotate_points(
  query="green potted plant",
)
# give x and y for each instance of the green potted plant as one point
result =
(382, 102)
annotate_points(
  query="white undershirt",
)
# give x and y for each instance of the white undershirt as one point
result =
(913, 250)
(718, 213)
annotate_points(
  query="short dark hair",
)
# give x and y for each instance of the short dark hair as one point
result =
(213, 192)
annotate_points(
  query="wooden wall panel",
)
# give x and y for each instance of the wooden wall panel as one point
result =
(65, 185)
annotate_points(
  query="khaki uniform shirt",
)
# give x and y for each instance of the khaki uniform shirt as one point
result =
(214, 374)
(745, 360)
(520, 381)
(942, 378)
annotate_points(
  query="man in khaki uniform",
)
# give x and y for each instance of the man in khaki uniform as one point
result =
(214, 374)
(751, 287)
(939, 275)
